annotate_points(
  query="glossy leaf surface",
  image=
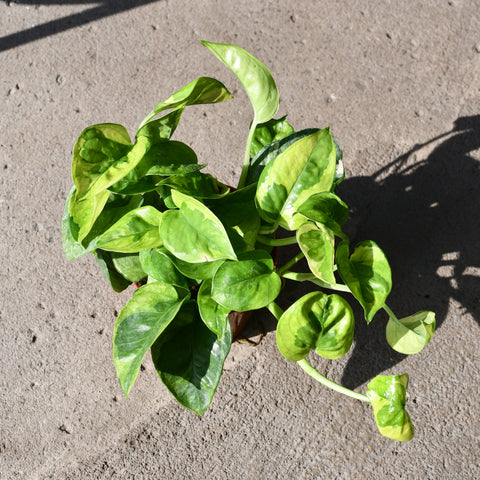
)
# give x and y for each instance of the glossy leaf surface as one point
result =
(203, 90)
(189, 359)
(198, 185)
(128, 265)
(213, 314)
(193, 233)
(326, 208)
(71, 247)
(158, 266)
(318, 245)
(140, 322)
(134, 232)
(306, 167)
(411, 334)
(197, 271)
(253, 75)
(367, 273)
(268, 132)
(319, 322)
(247, 284)
(387, 394)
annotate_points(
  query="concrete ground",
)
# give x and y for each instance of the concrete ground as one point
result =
(399, 83)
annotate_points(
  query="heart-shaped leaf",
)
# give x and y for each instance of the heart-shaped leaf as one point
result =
(387, 394)
(189, 359)
(158, 266)
(367, 274)
(318, 245)
(128, 265)
(247, 284)
(319, 322)
(193, 233)
(213, 314)
(140, 322)
(253, 75)
(410, 334)
(304, 168)
(268, 132)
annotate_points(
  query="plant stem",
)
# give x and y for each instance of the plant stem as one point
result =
(392, 315)
(246, 160)
(328, 383)
(310, 277)
(291, 263)
(275, 310)
(277, 242)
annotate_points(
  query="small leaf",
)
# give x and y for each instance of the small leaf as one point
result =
(247, 284)
(253, 75)
(140, 322)
(203, 90)
(318, 245)
(128, 265)
(411, 334)
(319, 322)
(268, 132)
(304, 168)
(367, 274)
(158, 266)
(162, 128)
(197, 185)
(339, 167)
(71, 246)
(193, 233)
(387, 394)
(117, 281)
(213, 314)
(189, 359)
(326, 208)
(196, 271)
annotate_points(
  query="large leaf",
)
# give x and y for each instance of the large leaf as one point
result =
(134, 232)
(247, 284)
(319, 322)
(158, 266)
(304, 168)
(213, 314)
(268, 132)
(189, 359)
(326, 208)
(271, 151)
(117, 281)
(203, 90)
(410, 334)
(193, 233)
(367, 274)
(140, 322)
(387, 394)
(253, 75)
(318, 245)
(196, 184)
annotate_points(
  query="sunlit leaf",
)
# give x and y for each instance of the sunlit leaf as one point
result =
(268, 132)
(213, 314)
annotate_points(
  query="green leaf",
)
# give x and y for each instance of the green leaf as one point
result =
(318, 245)
(203, 90)
(197, 185)
(140, 322)
(71, 247)
(196, 271)
(193, 233)
(319, 322)
(387, 394)
(213, 314)
(271, 151)
(253, 75)
(339, 167)
(158, 266)
(134, 232)
(411, 334)
(162, 128)
(367, 274)
(326, 208)
(304, 168)
(189, 359)
(247, 284)
(128, 264)
(268, 132)
(117, 281)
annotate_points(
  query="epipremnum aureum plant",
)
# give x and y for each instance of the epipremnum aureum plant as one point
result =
(146, 210)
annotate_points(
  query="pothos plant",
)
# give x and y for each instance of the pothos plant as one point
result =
(145, 210)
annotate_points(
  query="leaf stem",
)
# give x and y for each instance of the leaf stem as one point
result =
(275, 310)
(392, 315)
(310, 277)
(268, 229)
(277, 242)
(291, 263)
(328, 383)
(246, 160)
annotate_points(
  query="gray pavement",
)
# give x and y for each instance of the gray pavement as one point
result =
(399, 83)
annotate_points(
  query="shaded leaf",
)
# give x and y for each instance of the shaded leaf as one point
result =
(319, 322)
(117, 281)
(268, 132)
(128, 265)
(140, 322)
(198, 185)
(213, 314)
(158, 266)
(71, 246)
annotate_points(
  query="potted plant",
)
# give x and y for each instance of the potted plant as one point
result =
(148, 214)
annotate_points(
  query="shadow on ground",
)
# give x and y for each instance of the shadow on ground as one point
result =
(102, 8)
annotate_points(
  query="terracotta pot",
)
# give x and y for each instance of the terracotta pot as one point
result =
(238, 321)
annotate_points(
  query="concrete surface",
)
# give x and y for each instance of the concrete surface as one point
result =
(391, 78)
